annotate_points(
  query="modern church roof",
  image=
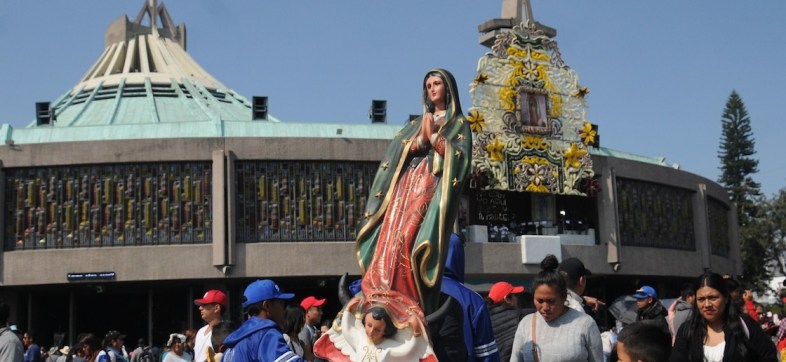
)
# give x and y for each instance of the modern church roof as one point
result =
(145, 85)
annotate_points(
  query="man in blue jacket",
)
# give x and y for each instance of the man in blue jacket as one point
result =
(478, 333)
(259, 339)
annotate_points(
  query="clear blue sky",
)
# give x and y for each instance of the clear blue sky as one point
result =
(659, 72)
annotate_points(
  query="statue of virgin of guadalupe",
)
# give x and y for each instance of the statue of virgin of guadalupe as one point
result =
(408, 220)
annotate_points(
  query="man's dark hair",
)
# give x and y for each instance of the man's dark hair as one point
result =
(253, 310)
(5, 312)
(686, 291)
(220, 333)
(644, 341)
(731, 283)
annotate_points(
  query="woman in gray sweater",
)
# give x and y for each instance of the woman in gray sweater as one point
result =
(555, 333)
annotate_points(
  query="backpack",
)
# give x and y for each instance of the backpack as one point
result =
(146, 355)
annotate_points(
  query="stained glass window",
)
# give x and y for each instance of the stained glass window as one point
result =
(719, 227)
(108, 205)
(655, 215)
(301, 201)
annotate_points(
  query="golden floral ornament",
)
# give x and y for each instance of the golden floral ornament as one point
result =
(385, 165)
(555, 108)
(538, 55)
(531, 71)
(573, 155)
(476, 121)
(534, 160)
(537, 178)
(587, 134)
(541, 71)
(481, 78)
(507, 99)
(516, 52)
(512, 82)
(534, 143)
(495, 149)
(519, 70)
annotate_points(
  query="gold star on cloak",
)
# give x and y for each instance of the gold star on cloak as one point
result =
(378, 194)
(385, 165)
(454, 181)
(367, 215)
(457, 153)
(460, 136)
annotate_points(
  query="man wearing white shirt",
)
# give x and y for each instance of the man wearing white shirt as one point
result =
(211, 307)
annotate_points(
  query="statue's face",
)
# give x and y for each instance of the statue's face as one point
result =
(435, 89)
(375, 329)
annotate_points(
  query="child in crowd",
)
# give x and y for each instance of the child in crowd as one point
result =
(643, 342)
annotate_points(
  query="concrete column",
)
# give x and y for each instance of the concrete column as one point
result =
(231, 194)
(219, 219)
(608, 218)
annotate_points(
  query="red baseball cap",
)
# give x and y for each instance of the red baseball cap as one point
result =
(212, 296)
(500, 290)
(311, 301)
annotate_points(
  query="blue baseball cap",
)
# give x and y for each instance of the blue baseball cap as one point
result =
(354, 287)
(645, 292)
(262, 290)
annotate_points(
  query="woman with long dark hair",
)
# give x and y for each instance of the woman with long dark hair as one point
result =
(556, 333)
(294, 320)
(90, 347)
(716, 332)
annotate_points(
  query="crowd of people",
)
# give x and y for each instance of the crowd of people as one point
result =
(712, 320)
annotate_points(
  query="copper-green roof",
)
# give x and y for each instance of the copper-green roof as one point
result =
(145, 76)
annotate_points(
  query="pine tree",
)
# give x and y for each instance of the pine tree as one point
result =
(738, 166)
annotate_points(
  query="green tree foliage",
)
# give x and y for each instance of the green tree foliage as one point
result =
(738, 166)
(776, 223)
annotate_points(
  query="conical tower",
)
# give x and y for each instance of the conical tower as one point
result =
(145, 76)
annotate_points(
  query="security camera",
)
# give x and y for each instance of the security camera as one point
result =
(226, 269)
(616, 267)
